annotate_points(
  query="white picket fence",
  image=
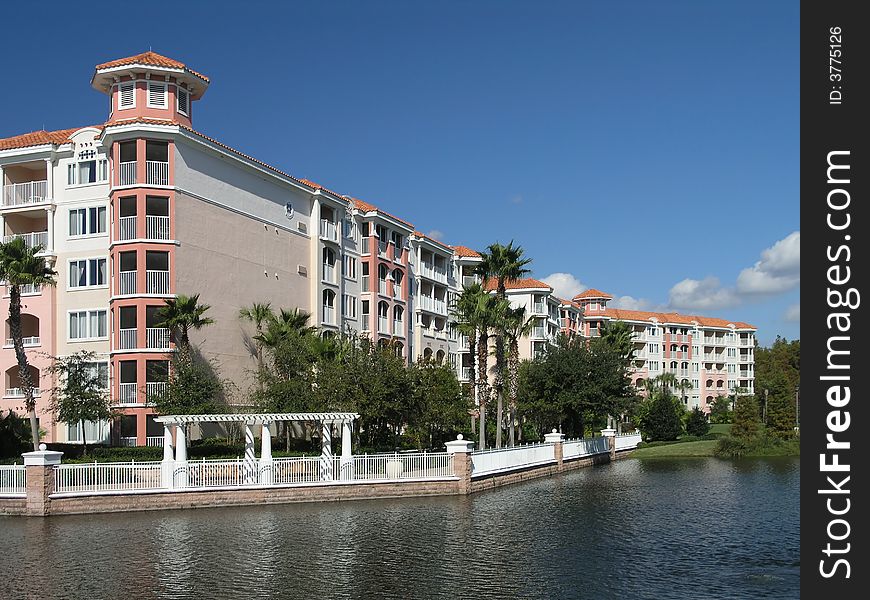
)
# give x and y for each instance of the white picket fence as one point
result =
(485, 462)
(626, 441)
(584, 447)
(13, 480)
(209, 473)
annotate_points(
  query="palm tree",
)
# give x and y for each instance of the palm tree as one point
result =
(516, 326)
(463, 314)
(259, 314)
(502, 263)
(182, 314)
(20, 265)
(618, 335)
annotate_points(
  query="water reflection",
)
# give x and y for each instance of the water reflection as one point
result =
(700, 528)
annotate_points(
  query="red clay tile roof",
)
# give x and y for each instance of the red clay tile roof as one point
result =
(563, 301)
(366, 207)
(150, 58)
(40, 138)
(669, 317)
(517, 284)
(593, 293)
(420, 234)
(465, 251)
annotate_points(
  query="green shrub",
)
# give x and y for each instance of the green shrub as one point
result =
(729, 447)
(697, 423)
(14, 436)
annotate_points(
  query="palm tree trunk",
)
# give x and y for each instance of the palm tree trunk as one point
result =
(21, 357)
(482, 385)
(513, 374)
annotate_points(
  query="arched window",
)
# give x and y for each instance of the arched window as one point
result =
(329, 265)
(397, 283)
(684, 348)
(427, 354)
(383, 272)
(398, 313)
(709, 383)
(329, 307)
(399, 349)
(673, 347)
(674, 364)
(439, 357)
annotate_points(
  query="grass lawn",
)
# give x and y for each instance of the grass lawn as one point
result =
(680, 450)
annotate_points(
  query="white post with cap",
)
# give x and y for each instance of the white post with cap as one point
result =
(346, 454)
(266, 463)
(167, 468)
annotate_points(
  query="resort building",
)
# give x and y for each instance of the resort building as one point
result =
(709, 357)
(143, 207)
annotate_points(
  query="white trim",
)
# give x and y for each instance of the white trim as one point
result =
(70, 288)
(120, 91)
(165, 86)
(71, 340)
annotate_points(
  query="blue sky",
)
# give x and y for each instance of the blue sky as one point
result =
(648, 149)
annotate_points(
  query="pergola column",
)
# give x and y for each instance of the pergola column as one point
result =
(250, 464)
(180, 456)
(326, 451)
(266, 454)
(168, 467)
(346, 454)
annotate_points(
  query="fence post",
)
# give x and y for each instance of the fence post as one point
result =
(610, 434)
(40, 480)
(460, 450)
(556, 439)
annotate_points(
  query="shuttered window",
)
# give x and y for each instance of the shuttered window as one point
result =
(156, 94)
(127, 96)
(183, 101)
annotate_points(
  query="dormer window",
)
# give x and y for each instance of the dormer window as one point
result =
(127, 95)
(156, 94)
(183, 101)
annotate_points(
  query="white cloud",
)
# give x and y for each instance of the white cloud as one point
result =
(702, 294)
(516, 199)
(779, 269)
(630, 303)
(436, 234)
(564, 285)
(793, 313)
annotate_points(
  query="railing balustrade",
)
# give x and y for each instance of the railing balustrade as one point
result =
(27, 342)
(127, 228)
(627, 440)
(19, 392)
(328, 230)
(127, 339)
(31, 240)
(127, 442)
(156, 227)
(156, 282)
(108, 477)
(506, 459)
(127, 282)
(157, 338)
(30, 192)
(127, 393)
(13, 480)
(127, 173)
(154, 441)
(152, 389)
(584, 447)
(156, 172)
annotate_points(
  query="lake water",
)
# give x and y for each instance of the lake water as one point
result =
(635, 529)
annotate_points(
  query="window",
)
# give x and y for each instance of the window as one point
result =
(653, 348)
(127, 95)
(183, 101)
(732, 352)
(156, 94)
(695, 367)
(87, 221)
(695, 383)
(87, 272)
(84, 172)
(732, 368)
(349, 229)
(350, 267)
(100, 370)
(348, 306)
(653, 365)
(88, 325)
(365, 315)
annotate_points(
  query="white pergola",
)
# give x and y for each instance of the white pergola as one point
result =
(175, 447)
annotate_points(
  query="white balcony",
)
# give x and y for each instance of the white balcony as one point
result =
(127, 393)
(398, 329)
(432, 304)
(154, 441)
(382, 287)
(468, 280)
(365, 283)
(127, 227)
(127, 173)
(539, 332)
(746, 342)
(28, 342)
(328, 230)
(156, 172)
(465, 374)
(19, 392)
(433, 272)
(127, 339)
(329, 315)
(365, 245)
(127, 442)
(157, 338)
(21, 194)
(462, 342)
(127, 282)
(31, 240)
(382, 249)
(154, 388)
(383, 323)
(156, 227)
(540, 308)
(156, 282)
(329, 272)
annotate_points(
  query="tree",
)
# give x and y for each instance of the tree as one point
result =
(14, 435)
(81, 394)
(618, 335)
(464, 314)
(661, 416)
(720, 412)
(745, 426)
(181, 315)
(193, 388)
(502, 263)
(441, 408)
(20, 265)
(259, 314)
(697, 423)
(515, 326)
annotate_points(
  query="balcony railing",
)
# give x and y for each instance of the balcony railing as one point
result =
(155, 441)
(382, 287)
(19, 392)
(433, 271)
(745, 342)
(28, 342)
(329, 315)
(462, 342)
(382, 325)
(127, 282)
(746, 374)
(432, 304)
(156, 227)
(27, 289)
(157, 338)
(127, 227)
(127, 393)
(398, 328)
(31, 192)
(156, 282)
(152, 389)
(31, 240)
(365, 283)
(328, 230)
(156, 172)
(539, 332)
(382, 249)
(329, 272)
(127, 339)
(466, 373)
(468, 280)
(127, 173)
(127, 442)
(540, 308)
(365, 245)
